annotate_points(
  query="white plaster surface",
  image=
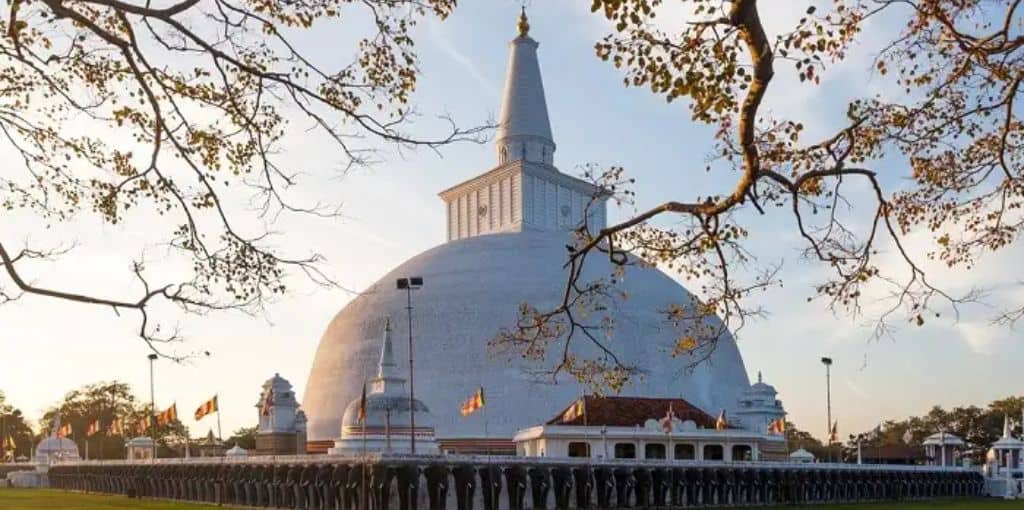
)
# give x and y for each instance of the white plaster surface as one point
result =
(472, 288)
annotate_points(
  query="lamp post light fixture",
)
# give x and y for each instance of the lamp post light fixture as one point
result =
(828, 401)
(152, 404)
(408, 285)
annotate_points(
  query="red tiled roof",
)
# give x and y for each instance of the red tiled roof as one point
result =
(633, 411)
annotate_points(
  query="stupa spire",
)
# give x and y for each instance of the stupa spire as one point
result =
(387, 370)
(524, 131)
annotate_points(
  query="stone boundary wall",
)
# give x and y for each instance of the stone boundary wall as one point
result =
(394, 482)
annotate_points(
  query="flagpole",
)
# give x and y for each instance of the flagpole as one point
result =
(387, 428)
(487, 434)
(216, 400)
(365, 493)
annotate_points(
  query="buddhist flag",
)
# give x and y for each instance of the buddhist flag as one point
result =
(908, 436)
(777, 427)
(268, 402)
(577, 409)
(169, 415)
(143, 425)
(472, 404)
(9, 444)
(666, 422)
(833, 435)
(64, 431)
(361, 417)
(208, 407)
(721, 423)
(92, 428)
(116, 427)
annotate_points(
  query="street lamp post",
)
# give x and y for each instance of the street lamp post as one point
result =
(408, 285)
(152, 404)
(828, 402)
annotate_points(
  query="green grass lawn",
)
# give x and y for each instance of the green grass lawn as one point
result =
(45, 499)
(40, 499)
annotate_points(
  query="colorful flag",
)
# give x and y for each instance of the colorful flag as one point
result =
(908, 436)
(116, 427)
(64, 431)
(268, 401)
(169, 415)
(208, 407)
(9, 448)
(666, 422)
(577, 409)
(361, 416)
(143, 425)
(92, 428)
(777, 427)
(472, 404)
(721, 423)
(833, 435)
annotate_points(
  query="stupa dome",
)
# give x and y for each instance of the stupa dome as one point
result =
(474, 286)
(56, 448)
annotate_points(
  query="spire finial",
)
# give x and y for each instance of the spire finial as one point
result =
(524, 24)
(759, 380)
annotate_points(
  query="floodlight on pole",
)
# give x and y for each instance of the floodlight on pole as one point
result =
(152, 403)
(828, 401)
(408, 285)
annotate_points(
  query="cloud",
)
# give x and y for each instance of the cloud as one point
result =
(856, 390)
(980, 338)
(444, 43)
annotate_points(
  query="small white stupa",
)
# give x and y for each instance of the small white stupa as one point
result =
(801, 456)
(236, 452)
(1005, 455)
(385, 427)
(56, 448)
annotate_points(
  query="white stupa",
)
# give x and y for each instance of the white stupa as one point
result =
(387, 424)
(507, 231)
(56, 448)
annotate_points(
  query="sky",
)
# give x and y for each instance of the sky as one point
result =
(391, 212)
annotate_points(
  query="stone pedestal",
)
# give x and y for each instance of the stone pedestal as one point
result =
(280, 443)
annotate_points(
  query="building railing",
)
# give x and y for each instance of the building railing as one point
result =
(511, 460)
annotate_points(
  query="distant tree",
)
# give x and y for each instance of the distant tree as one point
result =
(797, 439)
(978, 427)
(171, 116)
(244, 437)
(13, 425)
(105, 402)
(953, 136)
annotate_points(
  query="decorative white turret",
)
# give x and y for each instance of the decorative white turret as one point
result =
(282, 425)
(525, 191)
(758, 407)
(277, 405)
